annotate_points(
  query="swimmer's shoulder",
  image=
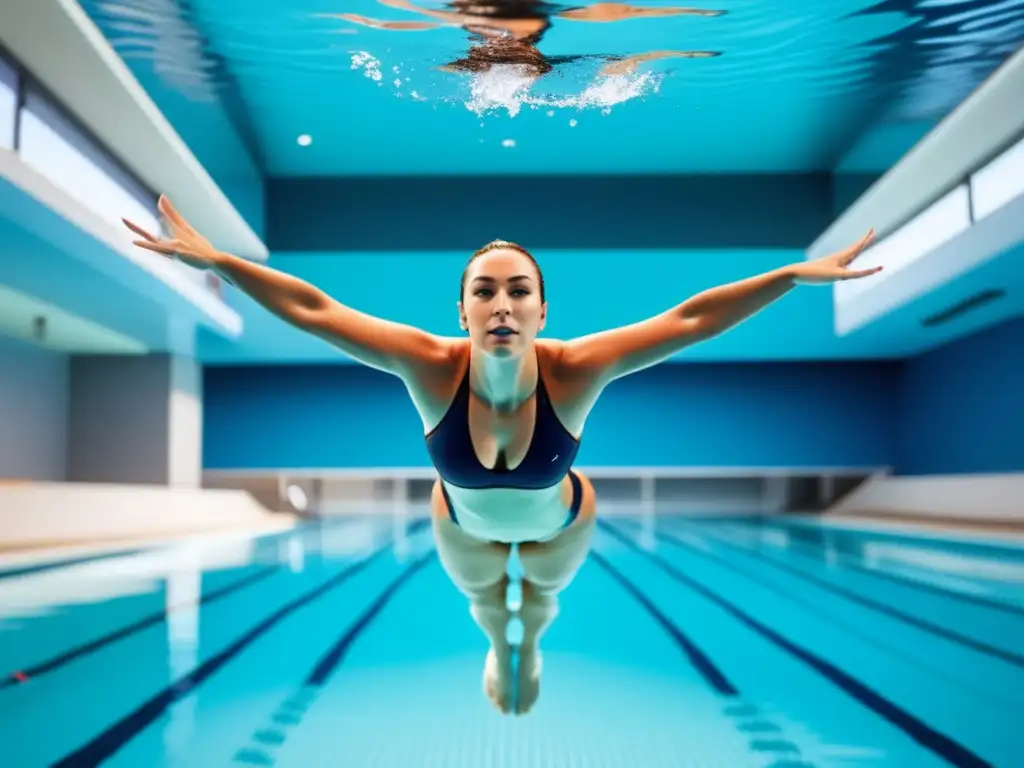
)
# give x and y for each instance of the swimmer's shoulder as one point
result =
(434, 385)
(556, 363)
(563, 380)
(446, 363)
(550, 354)
(572, 387)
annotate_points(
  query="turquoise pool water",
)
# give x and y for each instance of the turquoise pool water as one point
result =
(793, 86)
(682, 642)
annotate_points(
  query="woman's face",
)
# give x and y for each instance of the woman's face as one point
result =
(501, 305)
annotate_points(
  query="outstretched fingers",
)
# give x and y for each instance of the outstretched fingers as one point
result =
(852, 274)
(167, 248)
(139, 230)
(150, 242)
(173, 216)
(858, 249)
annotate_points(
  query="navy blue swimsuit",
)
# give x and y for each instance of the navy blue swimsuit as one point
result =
(549, 458)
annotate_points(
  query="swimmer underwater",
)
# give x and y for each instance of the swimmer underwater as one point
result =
(503, 411)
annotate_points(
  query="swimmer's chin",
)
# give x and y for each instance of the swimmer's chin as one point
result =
(504, 348)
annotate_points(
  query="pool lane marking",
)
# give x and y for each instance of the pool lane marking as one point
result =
(107, 743)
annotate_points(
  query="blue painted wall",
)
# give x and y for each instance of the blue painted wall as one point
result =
(962, 406)
(680, 415)
(549, 212)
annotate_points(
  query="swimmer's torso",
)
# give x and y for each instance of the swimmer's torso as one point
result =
(511, 515)
(505, 474)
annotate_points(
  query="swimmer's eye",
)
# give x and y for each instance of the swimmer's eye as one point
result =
(485, 293)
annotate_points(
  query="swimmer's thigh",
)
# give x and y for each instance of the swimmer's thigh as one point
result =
(549, 566)
(474, 566)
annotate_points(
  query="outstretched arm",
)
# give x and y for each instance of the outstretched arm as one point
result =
(609, 12)
(381, 344)
(628, 64)
(392, 26)
(609, 355)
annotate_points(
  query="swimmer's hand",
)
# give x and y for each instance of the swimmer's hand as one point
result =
(418, 357)
(184, 243)
(833, 268)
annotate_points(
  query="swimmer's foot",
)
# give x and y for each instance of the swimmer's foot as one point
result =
(498, 678)
(529, 678)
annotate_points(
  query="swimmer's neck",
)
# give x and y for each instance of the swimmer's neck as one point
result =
(503, 383)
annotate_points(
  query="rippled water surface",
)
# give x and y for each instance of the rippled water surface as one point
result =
(821, 73)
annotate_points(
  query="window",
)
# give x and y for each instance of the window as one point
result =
(938, 224)
(8, 103)
(50, 142)
(999, 182)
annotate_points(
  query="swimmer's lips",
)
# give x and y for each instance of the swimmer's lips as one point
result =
(502, 332)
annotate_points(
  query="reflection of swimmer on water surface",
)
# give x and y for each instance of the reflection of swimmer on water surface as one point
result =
(512, 29)
(526, 20)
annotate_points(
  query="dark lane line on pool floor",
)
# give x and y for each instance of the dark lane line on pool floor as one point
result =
(712, 674)
(904, 656)
(272, 735)
(925, 625)
(934, 741)
(716, 679)
(106, 744)
(26, 675)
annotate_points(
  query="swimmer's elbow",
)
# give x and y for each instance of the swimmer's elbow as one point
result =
(697, 329)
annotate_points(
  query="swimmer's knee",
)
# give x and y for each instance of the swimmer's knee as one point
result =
(550, 567)
(547, 579)
(539, 593)
(493, 592)
(483, 590)
(476, 568)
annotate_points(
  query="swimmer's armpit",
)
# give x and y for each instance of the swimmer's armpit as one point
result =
(629, 64)
(608, 12)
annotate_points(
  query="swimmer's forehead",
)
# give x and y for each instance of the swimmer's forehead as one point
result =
(500, 260)
(489, 279)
